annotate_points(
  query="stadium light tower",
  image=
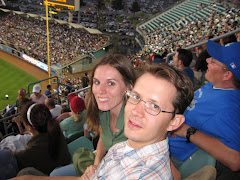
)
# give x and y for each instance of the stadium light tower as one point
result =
(48, 59)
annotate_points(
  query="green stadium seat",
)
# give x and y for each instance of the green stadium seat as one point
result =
(78, 143)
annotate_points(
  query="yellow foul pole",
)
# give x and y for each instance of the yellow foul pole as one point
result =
(48, 59)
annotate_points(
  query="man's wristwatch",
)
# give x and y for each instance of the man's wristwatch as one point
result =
(190, 131)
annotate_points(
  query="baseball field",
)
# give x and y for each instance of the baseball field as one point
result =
(15, 74)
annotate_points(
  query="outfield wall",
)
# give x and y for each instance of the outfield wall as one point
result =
(28, 59)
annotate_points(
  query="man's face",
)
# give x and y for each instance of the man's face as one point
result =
(21, 95)
(38, 94)
(142, 128)
(215, 71)
(175, 59)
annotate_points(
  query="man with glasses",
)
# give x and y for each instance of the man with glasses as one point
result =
(213, 118)
(149, 114)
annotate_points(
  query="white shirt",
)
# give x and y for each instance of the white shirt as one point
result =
(56, 111)
(41, 100)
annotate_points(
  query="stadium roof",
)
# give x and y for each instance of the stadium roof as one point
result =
(18, 12)
(93, 31)
(50, 19)
(60, 21)
(5, 10)
(77, 26)
(32, 15)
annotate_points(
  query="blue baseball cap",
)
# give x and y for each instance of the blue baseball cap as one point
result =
(228, 54)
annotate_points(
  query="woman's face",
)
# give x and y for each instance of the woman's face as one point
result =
(108, 88)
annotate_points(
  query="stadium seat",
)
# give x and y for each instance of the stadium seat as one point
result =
(78, 143)
(197, 160)
(73, 136)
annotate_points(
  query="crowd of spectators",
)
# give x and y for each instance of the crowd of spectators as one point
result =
(169, 38)
(65, 43)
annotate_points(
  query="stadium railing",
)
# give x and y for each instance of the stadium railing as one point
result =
(205, 42)
(80, 92)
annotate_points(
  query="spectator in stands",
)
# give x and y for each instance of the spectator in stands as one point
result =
(21, 100)
(47, 148)
(74, 123)
(198, 50)
(85, 80)
(238, 36)
(20, 103)
(212, 120)
(228, 39)
(9, 110)
(54, 109)
(201, 65)
(48, 90)
(37, 96)
(66, 112)
(68, 88)
(182, 59)
(157, 58)
(112, 75)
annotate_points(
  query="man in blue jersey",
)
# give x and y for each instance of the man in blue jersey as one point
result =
(213, 118)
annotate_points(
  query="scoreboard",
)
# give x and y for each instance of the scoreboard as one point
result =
(69, 4)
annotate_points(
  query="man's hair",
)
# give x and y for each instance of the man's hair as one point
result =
(236, 82)
(185, 56)
(22, 89)
(50, 102)
(229, 39)
(181, 82)
(157, 56)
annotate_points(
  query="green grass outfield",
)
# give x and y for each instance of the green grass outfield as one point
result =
(11, 80)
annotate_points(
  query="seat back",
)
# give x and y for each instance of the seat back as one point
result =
(196, 161)
(73, 136)
(78, 143)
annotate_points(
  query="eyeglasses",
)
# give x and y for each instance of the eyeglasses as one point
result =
(149, 107)
(213, 61)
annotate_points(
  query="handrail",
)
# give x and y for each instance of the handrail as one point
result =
(36, 82)
(5, 119)
(78, 92)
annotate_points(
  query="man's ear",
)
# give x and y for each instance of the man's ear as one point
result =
(130, 87)
(180, 62)
(228, 75)
(176, 122)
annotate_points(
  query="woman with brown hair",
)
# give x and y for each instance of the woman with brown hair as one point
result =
(111, 77)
